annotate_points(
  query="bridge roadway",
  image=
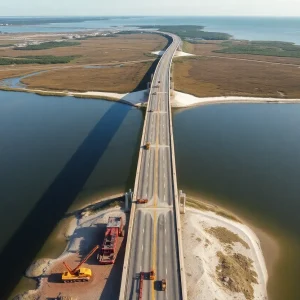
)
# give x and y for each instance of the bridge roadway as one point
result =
(153, 241)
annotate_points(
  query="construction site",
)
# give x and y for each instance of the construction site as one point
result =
(91, 265)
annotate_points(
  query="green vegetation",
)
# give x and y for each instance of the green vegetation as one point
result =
(266, 48)
(6, 45)
(43, 60)
(95, 36)
(48, 45)
(192, 33)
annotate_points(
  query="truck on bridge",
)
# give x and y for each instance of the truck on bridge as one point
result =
(114, 229)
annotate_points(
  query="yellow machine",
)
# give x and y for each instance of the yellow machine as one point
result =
(78, 274)
(147, 146)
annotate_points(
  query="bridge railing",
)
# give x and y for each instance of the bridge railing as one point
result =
(175, 191)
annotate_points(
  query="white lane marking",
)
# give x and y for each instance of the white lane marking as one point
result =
(143, 230)
(142, 248)
(166, 271)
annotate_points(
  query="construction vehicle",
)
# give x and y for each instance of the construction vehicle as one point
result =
(78, 274)
(114, 229)
(150, 275)
(147, 146)
(141, 201)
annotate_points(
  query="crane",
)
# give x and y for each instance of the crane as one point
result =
(78, 274)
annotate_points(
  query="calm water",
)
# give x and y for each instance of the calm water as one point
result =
(246, 156)
(52, 150)
(252, 28)
(55, 150)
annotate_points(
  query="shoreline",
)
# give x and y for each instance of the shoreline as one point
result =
(41, 268)
(56, 245)
(271, 246)
(183, 100)
(245, 243)
(139, 98)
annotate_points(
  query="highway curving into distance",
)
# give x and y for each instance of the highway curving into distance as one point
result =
(154, 237)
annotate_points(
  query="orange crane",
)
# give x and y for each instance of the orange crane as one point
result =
(78, 274)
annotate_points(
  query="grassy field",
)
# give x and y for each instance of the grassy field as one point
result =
(48, 45)
(212, 76)
(214, 48)
(9, 72)
(102, 50)
(115, 79)
(191, 32)
(265, 48)
(41, 60)
(96, 51)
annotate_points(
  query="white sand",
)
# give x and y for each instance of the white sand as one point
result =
(159, 53)
(186, 100)
(177, 53)
(181, 53)
(200, 250)
(134, 98)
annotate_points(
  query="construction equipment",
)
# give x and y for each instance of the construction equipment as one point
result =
(147, 146)
(78, 274)
(141, 285)
(141, 201)
(114, 228)
(150, 275)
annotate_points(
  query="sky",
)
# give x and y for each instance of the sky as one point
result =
(150, 7)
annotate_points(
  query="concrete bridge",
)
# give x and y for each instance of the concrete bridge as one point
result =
(154, 231)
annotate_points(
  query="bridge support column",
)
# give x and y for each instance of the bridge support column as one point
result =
(148, 87)
(182, 200)
(128, 200)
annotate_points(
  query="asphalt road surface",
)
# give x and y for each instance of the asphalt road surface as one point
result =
(154, 242)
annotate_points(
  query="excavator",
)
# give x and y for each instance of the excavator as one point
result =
(78, 274)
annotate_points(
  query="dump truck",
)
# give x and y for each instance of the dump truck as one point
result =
(145, 275)
(141, 201)
(147, 146)
(114, 229)
(78, 274)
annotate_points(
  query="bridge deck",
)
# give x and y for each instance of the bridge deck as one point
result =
(154, 242)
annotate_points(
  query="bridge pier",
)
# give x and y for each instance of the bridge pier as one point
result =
(182, 201)
(128, 200)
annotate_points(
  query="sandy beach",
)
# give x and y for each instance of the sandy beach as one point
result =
(216, 249)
